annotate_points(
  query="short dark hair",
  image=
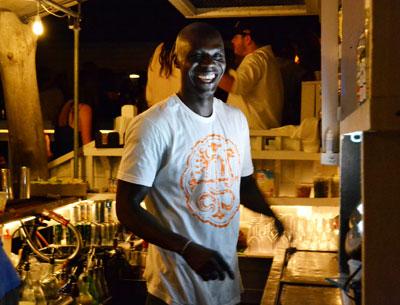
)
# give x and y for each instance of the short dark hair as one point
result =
(258, 33)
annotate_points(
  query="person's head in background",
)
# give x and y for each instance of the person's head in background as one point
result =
(167, 57)
(167, 53)
(200, 55)
(248, 36)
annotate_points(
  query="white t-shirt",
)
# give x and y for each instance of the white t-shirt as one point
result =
(158, 87)
(258, 89)
(193, 165)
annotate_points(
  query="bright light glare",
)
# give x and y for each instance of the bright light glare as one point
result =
(133, 75)
(304, 211)
(37, 26)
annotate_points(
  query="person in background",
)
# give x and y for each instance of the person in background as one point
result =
(255, 87)
(9, 280)
(51, 101)
(189, 158)
(50, 94)
(64, 131)
(163, 78)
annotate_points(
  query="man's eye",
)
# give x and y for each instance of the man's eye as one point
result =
(218, 56)
(195, 57)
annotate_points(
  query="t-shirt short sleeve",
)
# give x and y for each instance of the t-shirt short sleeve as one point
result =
(143, 152)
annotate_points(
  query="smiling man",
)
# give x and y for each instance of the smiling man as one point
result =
(190, 157)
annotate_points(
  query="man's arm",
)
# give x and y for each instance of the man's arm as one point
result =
(141, 222)
(206, 262)
(226, 82)
(251, 197)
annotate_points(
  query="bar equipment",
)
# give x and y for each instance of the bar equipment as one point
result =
(24, 183)
(6, 184)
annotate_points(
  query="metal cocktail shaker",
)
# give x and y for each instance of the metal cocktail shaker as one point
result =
(6, 183)
(24, 183)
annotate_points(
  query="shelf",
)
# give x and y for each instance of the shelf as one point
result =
(271, 154)
(101, 196)
(287, 201)
(284, 155)
(245, 254)
(90, 150)
(270, 133)
(17, 209)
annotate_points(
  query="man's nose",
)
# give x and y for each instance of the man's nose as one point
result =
(206, 59)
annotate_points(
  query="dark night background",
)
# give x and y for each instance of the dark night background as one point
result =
(121, 34)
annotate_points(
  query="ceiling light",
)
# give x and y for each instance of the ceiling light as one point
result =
(37, 26)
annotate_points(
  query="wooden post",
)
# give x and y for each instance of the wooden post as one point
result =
(329, 70)
(24, 117)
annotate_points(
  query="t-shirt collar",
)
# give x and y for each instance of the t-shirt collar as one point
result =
(193, 114)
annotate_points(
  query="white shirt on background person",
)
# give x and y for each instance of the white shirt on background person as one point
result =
(258, 89)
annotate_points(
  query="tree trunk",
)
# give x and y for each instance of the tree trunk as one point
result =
(18, 73)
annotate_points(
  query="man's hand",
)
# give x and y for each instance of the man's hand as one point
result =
(207, 263)
(251, 198)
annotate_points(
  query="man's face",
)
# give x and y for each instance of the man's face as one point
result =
(202, 64)
(239, 44)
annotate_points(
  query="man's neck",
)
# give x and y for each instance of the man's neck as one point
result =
(251, 48)
(202, 106)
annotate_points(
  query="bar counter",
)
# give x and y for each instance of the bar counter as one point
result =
(299, 277)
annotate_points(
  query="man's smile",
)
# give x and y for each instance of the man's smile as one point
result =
(207, 77)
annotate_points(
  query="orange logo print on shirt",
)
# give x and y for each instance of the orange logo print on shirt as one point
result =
(209, 178)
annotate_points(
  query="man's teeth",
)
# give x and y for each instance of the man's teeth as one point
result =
(207, 77)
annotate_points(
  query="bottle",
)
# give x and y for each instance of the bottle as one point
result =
(49, 282)
(97, 281)
(329, 145)
(84, 298)
(92, 286)
(39, 294)
(70, 288)
(7, 242)
(27, 292)
(6, 183)
(102, 279)
(134, 259)
(25, 183)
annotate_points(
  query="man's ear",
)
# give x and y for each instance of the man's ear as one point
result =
(248, 39)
